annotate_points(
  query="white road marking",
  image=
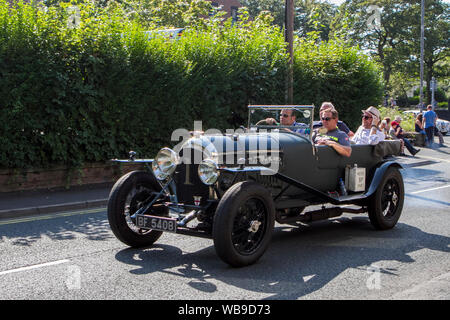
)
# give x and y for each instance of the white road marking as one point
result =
(307, 278)
(433, 158)
(426, 190)
(34, 266)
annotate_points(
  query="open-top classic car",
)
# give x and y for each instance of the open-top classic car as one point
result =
(233, 187)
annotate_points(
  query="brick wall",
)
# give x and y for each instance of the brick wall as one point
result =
(61, 177)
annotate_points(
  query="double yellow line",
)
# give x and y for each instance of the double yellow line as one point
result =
(50, 216)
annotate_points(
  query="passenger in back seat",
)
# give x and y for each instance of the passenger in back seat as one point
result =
(368, 132)
(330, 135)
(340, 124)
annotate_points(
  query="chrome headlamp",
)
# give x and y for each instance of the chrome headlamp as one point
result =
(165, 163)
(208, 171)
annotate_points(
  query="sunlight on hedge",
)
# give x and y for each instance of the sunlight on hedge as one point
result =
(86, 84)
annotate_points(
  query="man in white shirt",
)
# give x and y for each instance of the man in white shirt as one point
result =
(368, 132)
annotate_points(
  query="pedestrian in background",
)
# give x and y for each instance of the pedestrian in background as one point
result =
(440, 136)
(399, 134)
(418, 127)
(341, 125)
(385, 126)
(429, 123)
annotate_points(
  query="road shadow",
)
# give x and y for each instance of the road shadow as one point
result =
(298, 262)
(91, 226)
(417, 175)
(440, 150)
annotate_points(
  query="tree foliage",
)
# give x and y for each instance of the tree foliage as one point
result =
(310, 15)
(169, 13)
(390, 31)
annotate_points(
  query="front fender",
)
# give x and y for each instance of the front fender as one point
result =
(379, 174)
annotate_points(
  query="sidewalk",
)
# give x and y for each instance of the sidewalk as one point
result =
(23, 203)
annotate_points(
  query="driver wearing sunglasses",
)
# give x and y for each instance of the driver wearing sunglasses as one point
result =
(287, 118)
(330, 135)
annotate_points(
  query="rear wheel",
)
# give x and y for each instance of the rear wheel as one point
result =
(243, 223)
(385, 206)
(127, 196)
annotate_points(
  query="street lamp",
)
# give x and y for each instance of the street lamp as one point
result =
(433, 87)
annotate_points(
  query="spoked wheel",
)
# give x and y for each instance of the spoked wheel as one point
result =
(390, 198)
(243, 223)
(129, 194)
(249, 226)
(386, 204)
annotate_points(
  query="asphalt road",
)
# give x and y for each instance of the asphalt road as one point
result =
(76, 256)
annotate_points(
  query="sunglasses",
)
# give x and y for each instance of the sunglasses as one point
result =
(284, 115)
(366, 117)
(326, 119)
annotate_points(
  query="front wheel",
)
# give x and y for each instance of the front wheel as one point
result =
(243, 223)
(385, 206)
(129, 194)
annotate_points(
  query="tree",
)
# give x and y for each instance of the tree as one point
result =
(390, 31)
(310, 15)
(169, 13)
(159, 13)
(275, 7)
(436, 40)
(314, 16)
(378, 27)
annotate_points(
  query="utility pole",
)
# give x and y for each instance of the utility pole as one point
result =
(433, 89)
(289, 38)
(422, 31)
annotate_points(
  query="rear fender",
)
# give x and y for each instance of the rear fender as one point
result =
(379, 174)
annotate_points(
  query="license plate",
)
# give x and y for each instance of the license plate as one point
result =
(156, 223)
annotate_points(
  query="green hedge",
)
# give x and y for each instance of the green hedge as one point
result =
(91, 93)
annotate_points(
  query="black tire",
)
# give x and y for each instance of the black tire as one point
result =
(385, 206)
(122, 203)
(243, 223)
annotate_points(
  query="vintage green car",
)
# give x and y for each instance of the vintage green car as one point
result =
(232, 187)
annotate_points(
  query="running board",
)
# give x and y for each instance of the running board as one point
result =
(317, 215)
